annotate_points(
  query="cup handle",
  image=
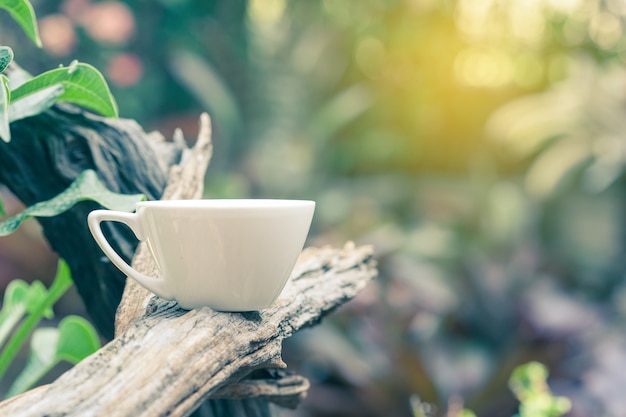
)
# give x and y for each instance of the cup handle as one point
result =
(156, 285)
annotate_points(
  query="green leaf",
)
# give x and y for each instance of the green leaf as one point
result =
(13, 307)
(5, 97)
(35, 103)
(528, 378)
(23, 13)
(86, 187)
(78, 339)
(6, 56)
(529, 384)
(3, 212)
(74, 340)
(62, 281)
(20, 298)
(42, 358)
(83, 85)
(38, 303)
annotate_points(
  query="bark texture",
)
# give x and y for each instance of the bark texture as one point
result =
(170, 361)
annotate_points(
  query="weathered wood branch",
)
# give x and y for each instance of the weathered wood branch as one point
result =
(171, 360)
(279, 387)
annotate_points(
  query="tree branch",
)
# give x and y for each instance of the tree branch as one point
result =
(171, 360)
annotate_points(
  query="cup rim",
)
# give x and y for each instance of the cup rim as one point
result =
(227, 203)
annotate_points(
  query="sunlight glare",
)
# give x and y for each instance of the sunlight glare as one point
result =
(605, 29)
(526, 22)
(472, 17)
(266, 13)
(528, 70)
(564, 6)
(476, 68)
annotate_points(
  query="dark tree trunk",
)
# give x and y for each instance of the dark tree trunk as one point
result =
(46, 154)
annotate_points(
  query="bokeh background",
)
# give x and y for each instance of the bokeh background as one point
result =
(477, 144)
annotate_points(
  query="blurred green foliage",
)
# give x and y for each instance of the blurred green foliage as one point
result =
(529, 383)
(478, 144)
(23, 307)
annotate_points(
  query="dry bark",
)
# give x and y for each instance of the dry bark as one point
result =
(171, 360)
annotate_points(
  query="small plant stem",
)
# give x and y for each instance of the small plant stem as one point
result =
(62, 282)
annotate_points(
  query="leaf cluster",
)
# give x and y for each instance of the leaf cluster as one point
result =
(529, 384)
(25, 96)
(24, 306)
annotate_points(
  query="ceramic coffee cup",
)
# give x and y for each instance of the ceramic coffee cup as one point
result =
(230, 255)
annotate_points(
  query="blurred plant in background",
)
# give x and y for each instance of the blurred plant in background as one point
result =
(528, 382)
(478, 144)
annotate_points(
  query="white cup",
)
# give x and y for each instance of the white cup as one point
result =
(230, 255)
